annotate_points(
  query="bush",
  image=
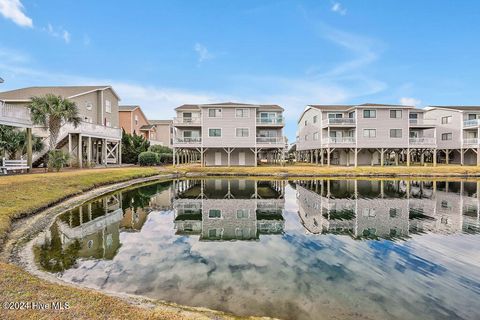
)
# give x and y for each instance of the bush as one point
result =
(160, 149)
(165, 158)
(57, 159)
(148, 158)
(132, 146)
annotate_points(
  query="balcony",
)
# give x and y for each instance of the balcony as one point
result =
(13, 115)
(187, 121)
(422, 122)
(422, 141)
(470, 141)
(338, 140)
(471, 123)
(276, 121)
(271, 140)
(92, 130)
(187, 141)
(342, 122)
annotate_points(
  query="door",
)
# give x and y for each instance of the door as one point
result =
(218, 158)
(241, 158)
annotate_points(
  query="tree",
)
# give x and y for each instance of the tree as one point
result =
(14, 141)
(132, 146)
(52, 111)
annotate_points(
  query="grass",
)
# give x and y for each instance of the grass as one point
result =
(311, 169)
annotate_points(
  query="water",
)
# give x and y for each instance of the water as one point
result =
(359, 249)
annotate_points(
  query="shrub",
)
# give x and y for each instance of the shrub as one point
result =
(160, 149)
(132, 146)
(57, 159)
(148, 158)
(165, 158)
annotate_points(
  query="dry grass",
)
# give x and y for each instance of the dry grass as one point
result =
(310, 169)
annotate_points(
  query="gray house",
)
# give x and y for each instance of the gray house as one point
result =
(228, 134)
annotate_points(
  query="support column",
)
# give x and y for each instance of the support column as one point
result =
(104, 151)
(478, 156)
(321, 157)
(80, 156)
(120, 152)
(356, 157)
(408, 157)
(328, 156)
(382, 157)
(89, 151)
(447, 153)
(173, 157)
(422, 157)
(461, 157)
(228, 156)
(29, 149)
(434, 155)
(316, 156)
(256, 156)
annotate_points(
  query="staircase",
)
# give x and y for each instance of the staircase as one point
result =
(40, 156)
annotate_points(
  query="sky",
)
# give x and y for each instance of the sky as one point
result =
(162, 54)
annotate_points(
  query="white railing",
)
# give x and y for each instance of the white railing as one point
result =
(14, 115)
(422, 141)
(471, 123)
(338, 121)
(338, 140)
(427, 122)
(270, 120)
(470, 141)
(93, 130)
(192, 140)
(187, 120)
(270, 140)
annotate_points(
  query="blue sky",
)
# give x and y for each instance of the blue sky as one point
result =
(161, 54)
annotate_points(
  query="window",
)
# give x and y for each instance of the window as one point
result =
(242, 132)
(335, 115)
(108, 106)
(369, 212)
(472, 116)
(369, 113)
(351, 115)
(315, 136)
(446, 136)
(88, 105)
(396, 114)
(306, 122)
(315, 119)
(394, 212)
(370, 133)
(214, 213)
(214, 233)
(136, 119)
(242, 113)
(413, 115)
(214, 132)
(446, 120)
(214, 113)
(242, 214)
(395, 133)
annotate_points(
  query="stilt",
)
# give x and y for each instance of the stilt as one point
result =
(447, 154)
(321, 157)
(408, 157)
(29, 149)
(174, 156)
(316, 156)
(422, 158)
(382, 157)
(461, 157)
(434, 155)
(89, 151)
(80, 156)
(328, 156)
(356, 157)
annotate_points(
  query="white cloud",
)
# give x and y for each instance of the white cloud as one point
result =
(59, 32)
(13, 10)
(408, 101)
(202, 52)
(338, 8)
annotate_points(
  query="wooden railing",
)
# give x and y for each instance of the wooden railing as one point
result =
(14, 115)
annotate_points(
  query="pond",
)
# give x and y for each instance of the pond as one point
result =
(309, 249)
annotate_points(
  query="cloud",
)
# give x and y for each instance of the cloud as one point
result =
(408, 101)
(338, 8)
(59, 32)
(203, 53)
(13, 10)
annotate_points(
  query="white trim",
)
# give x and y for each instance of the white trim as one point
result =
(369, 137)
(248, 113)
(248, 131)
(208, 132)
(369, 109)
(390, 115)
(390, 131)
(208, 113)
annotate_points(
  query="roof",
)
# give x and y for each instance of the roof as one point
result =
(349, 106)
(229, 104)
(147, 127)
(160, 121)
(24, 94)
(331, 106)
(127, 108)
(461, 108)
(385, 105)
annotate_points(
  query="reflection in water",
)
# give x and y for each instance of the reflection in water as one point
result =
(308, 249)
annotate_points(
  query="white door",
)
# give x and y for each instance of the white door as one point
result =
(218, 158)
(241, 158)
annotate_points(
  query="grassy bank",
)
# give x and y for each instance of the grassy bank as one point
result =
(307, 169)
(23, 194)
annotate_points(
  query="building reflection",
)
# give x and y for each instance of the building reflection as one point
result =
(223, 209)
(370, 209)
(92, 230)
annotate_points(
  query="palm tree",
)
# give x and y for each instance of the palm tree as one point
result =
(51, 111)
(13, 141)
